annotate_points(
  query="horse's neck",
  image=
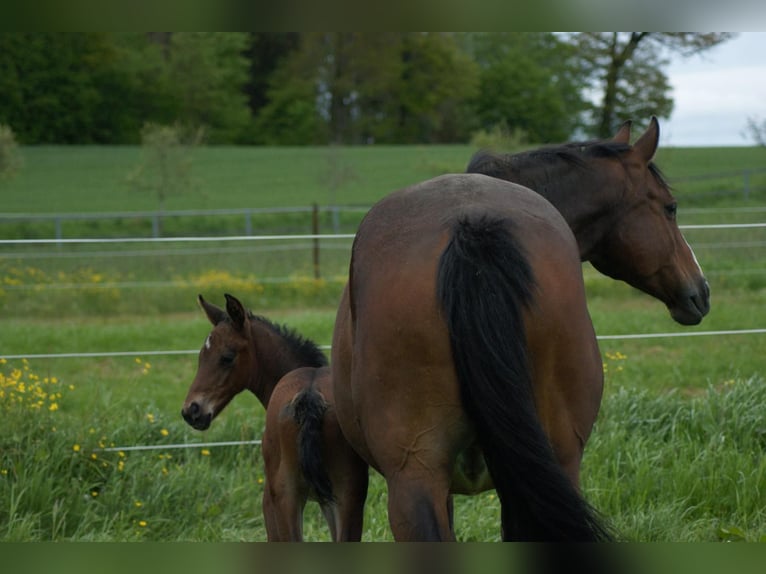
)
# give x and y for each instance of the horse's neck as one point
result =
(274, 359)
(577, 199)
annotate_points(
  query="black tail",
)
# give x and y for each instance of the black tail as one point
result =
(484, 284)
(309, 410)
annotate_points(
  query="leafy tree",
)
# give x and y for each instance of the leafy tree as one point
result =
(529, 82)
(50, 85)
(756, 130)
(434, 90)
(626, 68)
(165, 166)
(266, 51)
(208, 72)
(291, 115)
(346, 87)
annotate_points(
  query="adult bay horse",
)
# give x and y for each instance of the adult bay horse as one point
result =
(305, 453)
(620, 209)
(464, 358)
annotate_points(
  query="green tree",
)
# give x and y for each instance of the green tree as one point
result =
(265, 53)
(348, 87)
(166, 162)
(756, 130)
(50, 85)
(434, 91)
(529, 81)
(626, 68)
(207, 73)
(291, 115)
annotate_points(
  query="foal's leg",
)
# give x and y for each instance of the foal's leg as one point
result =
(279, 526)
(351, 495)
(283, 508)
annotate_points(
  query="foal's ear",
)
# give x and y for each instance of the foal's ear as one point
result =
(646, 145)
(623, 134)
(214, 313)
(236, 311)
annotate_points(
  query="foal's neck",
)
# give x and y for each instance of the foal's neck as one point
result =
(275, 356)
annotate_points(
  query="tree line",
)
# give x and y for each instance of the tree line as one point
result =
(304, 88)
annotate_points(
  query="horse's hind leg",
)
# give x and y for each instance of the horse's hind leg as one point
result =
(419, 510)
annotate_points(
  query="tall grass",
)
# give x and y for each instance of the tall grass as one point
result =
(659, 467)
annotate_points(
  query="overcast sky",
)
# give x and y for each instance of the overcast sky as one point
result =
(716, 92)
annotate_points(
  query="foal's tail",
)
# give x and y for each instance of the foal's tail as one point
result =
(484, 284)
(309, 408)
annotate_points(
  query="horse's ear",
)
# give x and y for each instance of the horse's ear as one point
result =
(236, 311)
(214, 313)
(646, 145)
(623, 134)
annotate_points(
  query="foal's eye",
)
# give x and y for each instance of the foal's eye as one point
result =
(227, 359)
(671, 209)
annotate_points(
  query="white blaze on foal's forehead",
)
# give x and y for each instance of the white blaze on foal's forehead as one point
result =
(207, 342)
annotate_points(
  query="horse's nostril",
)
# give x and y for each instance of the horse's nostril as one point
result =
(191, 413)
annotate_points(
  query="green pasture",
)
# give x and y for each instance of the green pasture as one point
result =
(676, 455)
(87, 179)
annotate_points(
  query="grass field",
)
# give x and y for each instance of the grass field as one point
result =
(677, 453)
(94, 179)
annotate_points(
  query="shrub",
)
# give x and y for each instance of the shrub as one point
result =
(500, 138)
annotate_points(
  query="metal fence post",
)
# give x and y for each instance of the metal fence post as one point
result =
(315, 232)
(248, 222)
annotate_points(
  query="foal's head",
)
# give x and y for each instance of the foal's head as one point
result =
(226, 363)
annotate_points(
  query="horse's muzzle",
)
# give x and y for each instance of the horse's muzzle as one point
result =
(194, 416)
(692, 305)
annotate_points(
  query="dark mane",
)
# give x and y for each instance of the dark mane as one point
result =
(573, 153)
(304, 348)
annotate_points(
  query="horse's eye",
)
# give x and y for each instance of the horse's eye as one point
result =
(671, 209)
(227, 359)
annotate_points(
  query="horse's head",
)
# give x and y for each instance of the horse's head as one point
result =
(643, 245)
(226, 362)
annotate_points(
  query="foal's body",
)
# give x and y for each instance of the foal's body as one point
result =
(307, 458)
(305, 454)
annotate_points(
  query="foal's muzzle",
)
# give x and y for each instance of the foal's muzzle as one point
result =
(195, 417)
